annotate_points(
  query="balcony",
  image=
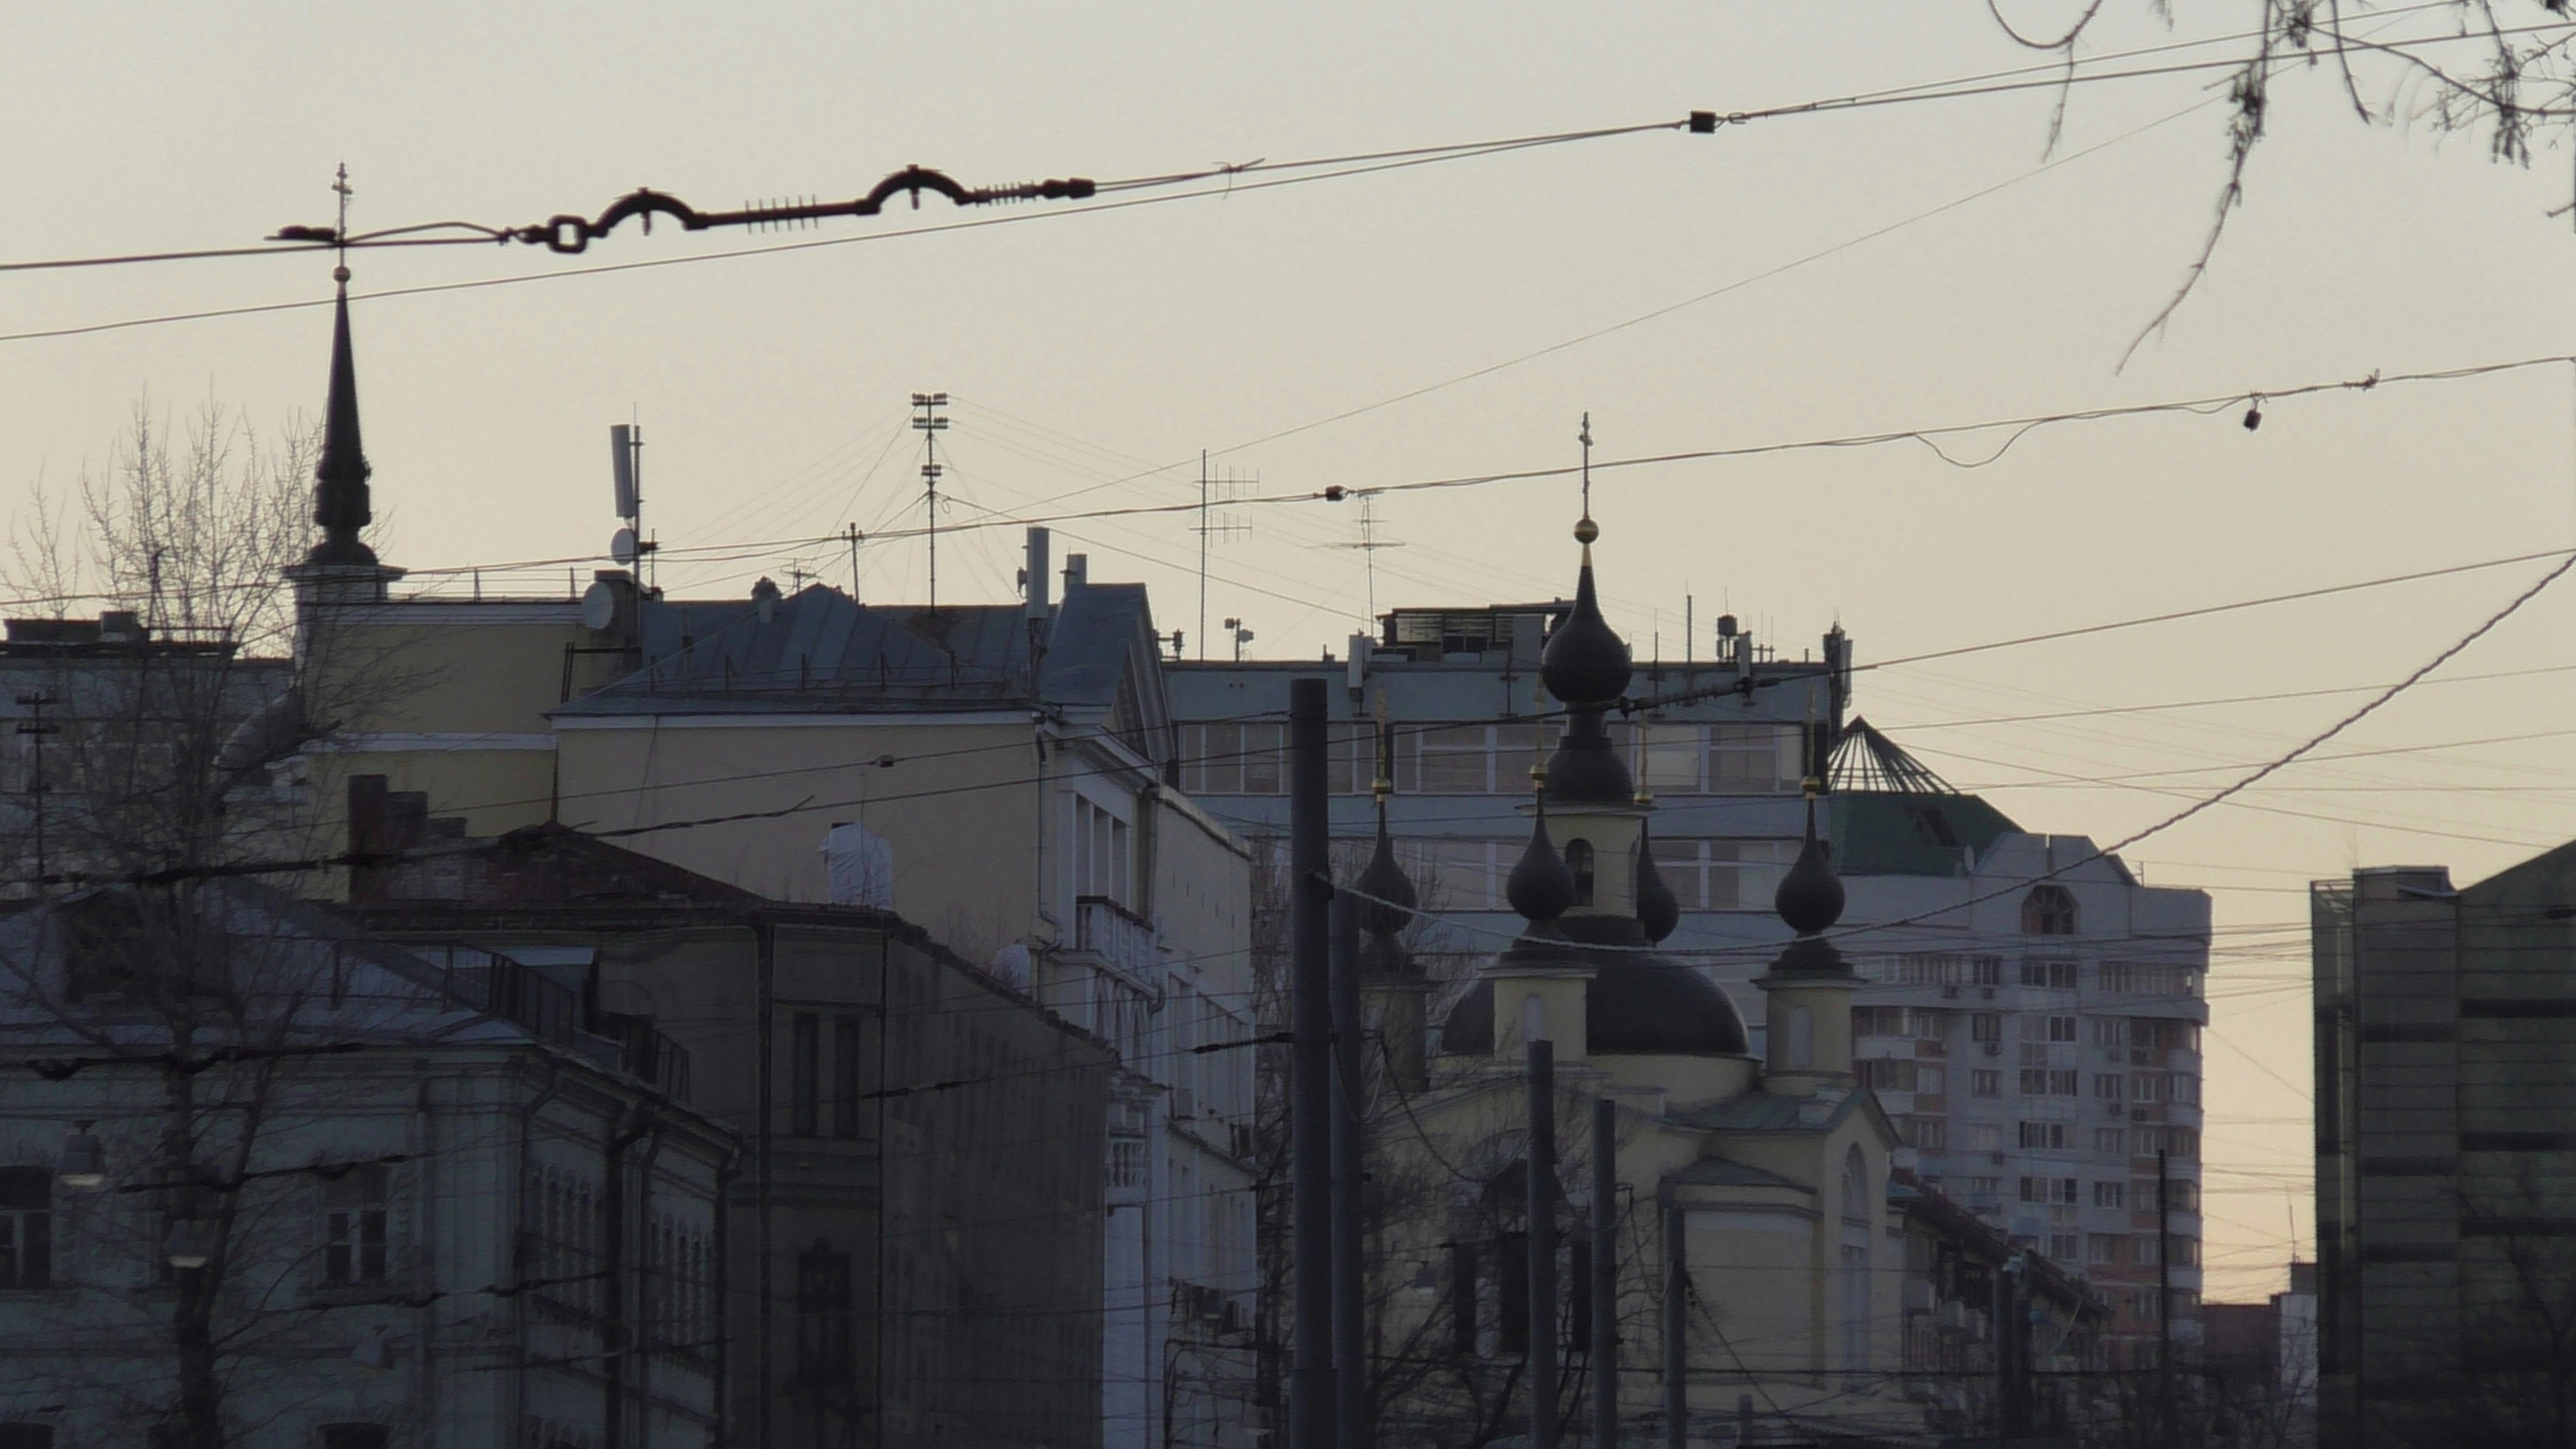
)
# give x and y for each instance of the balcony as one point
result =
(1119, 937)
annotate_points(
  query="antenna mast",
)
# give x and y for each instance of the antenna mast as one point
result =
(927, 421)
(1368, 546)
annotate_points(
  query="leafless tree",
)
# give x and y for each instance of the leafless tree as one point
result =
(2505, 71)
(139, 787)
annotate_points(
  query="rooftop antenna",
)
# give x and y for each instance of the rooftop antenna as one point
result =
(1215, 492)
(1369, 544)
(927, 421)
(626, 457)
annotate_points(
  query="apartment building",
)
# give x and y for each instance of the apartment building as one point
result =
(2033, 1022)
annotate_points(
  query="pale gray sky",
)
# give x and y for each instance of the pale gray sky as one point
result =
(1081, 349)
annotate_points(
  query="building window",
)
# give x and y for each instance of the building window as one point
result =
(1755, 759)
(1930, 1080)
(2044, 1136)
(1578, 859)
(1462, 1299)
(2111, 1141)
(1986, 1026)
(1985, 1137)
(2110, 1194)
(2048, 975)
(805, 1074)
(823, 1313)
(846, 1100)
(1924, 969)
(1931, 1134)
(1985, 1082)
(2049, 910)
(2144, 1252)
(2057, 1191)
(2147, 1087)
(2108, 1087)
(2111, 1032)
(1233, 759)
(353, 1226)
(1986, 971)
(26, 1228)
(1102, 853)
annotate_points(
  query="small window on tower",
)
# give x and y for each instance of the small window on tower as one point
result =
(1578, 859)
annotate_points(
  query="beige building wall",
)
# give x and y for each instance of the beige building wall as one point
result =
(957, 805)
(447, 698)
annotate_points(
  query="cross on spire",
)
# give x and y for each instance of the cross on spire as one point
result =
(340, 233)
(1586, 436)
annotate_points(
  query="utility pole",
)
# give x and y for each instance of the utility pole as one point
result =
(36, 727)
(1605, 1274)
(927, 422)
(1676, 1330)
(2012, 1348)
(1311, 1399)
(1542, 1243)
(2164, 1299)
(1203, 542)
(1350, 1363)
(852, 534)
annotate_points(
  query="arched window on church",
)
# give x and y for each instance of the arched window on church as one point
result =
(2049, 910)
(1578, 859)
(1855, 1260)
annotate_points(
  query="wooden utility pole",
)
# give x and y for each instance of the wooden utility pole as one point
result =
(1676, 1330)
(1310, 1106)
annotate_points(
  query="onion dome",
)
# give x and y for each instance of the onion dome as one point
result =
(1657, 909)
(1541, 887)
(1810, 901)
(340, 499)
(1635, 1003)
(1386, 907)
(1585, 661)
(1386, 894)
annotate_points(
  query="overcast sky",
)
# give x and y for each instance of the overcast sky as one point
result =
(1814, 277)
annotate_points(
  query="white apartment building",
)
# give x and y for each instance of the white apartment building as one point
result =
(2033, 1024)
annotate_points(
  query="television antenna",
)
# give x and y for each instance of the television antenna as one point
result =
(1217, 492)
(927, 422)
(1368, 545)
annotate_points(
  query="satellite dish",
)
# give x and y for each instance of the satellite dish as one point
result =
(599, 606)
(621, 546)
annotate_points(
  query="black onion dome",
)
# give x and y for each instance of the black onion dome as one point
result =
(1635, 1004)
(1585, 661)
(1586, 768)
(1657, 910)
(1541, 887)
(1810, 898)
(1386, 893)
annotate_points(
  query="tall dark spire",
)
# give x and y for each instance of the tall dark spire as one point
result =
(1810, 901)
(340, 499)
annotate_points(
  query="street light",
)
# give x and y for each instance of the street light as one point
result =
(190, 1244)
(83, 1165)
